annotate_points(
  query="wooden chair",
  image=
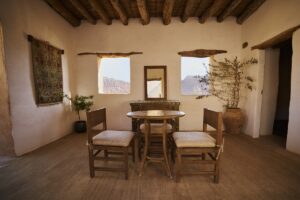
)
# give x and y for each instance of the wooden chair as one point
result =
(107, 140)
(200, 144)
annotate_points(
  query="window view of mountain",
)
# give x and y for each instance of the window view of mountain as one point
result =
(190, 85)
(113, 86)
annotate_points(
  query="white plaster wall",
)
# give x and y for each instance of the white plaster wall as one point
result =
(293, 137)
(270, 91)
(34, 126)
(160, 45)
(272, 18)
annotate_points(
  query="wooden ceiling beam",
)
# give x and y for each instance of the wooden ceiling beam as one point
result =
(285, 35)
(64, 12)
(120, 10)
(79, 7)
(142, 7)
(215, 7)
(187, 10)
(101, 12)
(167, 11)
(232, 6)
(249, 10)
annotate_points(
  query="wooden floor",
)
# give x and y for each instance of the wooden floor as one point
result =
(250, 169)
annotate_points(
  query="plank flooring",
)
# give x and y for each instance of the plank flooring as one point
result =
(250, 169)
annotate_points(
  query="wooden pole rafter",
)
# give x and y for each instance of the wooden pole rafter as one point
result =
(213, 9)
(201, 53)
(58, 6)
(228, 10)
(82, 10)
(187, 10)
(120, 10)
(250, 9)
(167, 11)
(111, 55)
(145, 18)
(101, 12)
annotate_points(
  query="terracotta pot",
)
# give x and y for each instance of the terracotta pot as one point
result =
(233, 120)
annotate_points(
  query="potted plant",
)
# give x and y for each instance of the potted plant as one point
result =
(80, 103)
(224, 80)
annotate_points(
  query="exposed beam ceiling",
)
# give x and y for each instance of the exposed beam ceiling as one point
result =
(101, 12)
(145, 19)
(120, 10)
(250, 9)
(167, 11)
(64, 12)
(74, 11)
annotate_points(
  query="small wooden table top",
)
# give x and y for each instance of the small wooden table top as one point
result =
(156, 114)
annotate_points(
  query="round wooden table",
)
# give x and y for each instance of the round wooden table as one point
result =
(147, 116)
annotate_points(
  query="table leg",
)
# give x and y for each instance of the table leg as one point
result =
(147, 133)
(165, 148)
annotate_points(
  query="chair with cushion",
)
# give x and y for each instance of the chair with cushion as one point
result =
(191, 145)
(107, 140)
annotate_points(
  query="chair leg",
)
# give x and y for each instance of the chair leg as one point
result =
(126, 168)
(203, 156)
(217, 171)
(133, 150)
(178, 165)
(91, 161)
(105, 153)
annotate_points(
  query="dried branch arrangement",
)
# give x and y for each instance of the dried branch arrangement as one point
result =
(224, 80)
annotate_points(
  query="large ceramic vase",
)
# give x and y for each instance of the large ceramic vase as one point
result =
(233, 120)
(80, 126)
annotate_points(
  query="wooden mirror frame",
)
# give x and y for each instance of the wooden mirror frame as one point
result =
(164, 77)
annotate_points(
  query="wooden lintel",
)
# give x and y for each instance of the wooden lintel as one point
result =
(80, 8)
(201, 53)
(110, 54)
(249, 10)
(141, 4)
(187, 10)
(167, 11)
(232, 6)
(103, 14)
(215, 7)
(65, 13)
(30, 38)
(120, 10)
(277, 39)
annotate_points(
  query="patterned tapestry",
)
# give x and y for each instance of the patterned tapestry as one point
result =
(47, 72)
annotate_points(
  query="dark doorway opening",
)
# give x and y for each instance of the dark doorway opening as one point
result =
(281, 120)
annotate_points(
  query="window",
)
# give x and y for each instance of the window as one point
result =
(191, 69)
(114, 75)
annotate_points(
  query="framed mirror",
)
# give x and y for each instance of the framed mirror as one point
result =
(155, 82)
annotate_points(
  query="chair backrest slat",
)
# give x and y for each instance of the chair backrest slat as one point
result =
(214, 119)
(95, 118)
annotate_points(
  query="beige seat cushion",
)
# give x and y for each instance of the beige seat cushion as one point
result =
(193, 139)
(113, 138)
(156, 128)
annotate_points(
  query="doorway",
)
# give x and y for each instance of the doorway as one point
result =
(6, 140)
(280, 126)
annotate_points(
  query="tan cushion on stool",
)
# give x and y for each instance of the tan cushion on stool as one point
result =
(193, 139)
(113, 138)
(156, 128)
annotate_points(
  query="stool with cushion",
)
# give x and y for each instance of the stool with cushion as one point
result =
(107, 140)
(200, 144)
